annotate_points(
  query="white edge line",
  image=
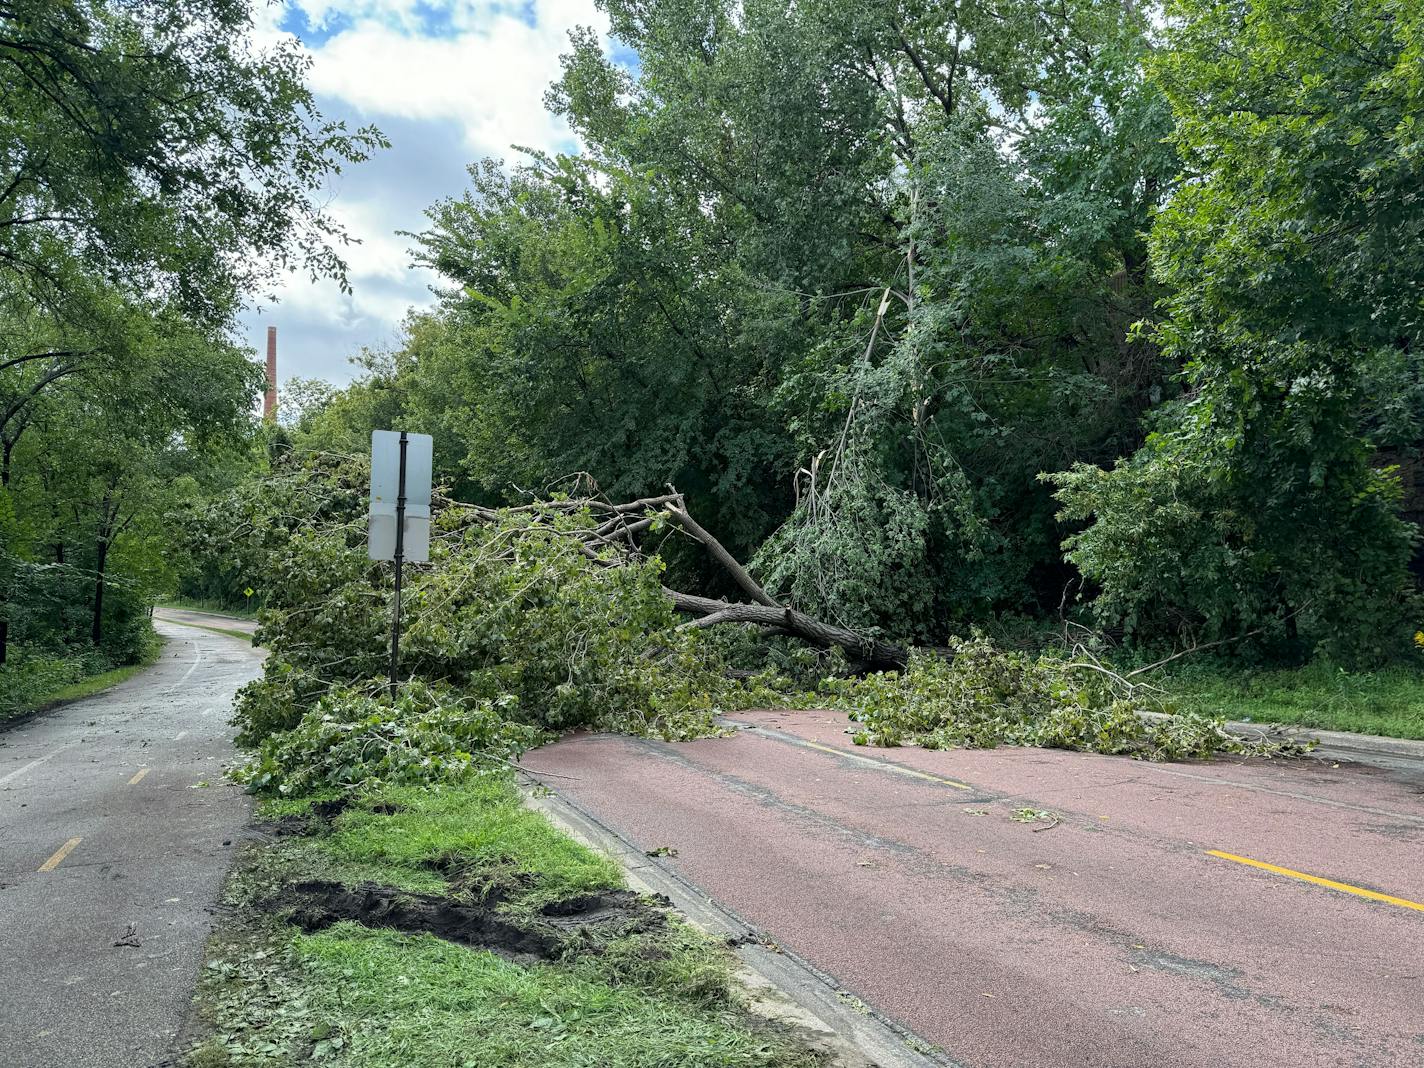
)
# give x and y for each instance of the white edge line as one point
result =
(33, 764)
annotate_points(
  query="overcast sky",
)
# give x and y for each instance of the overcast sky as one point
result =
(449, 82)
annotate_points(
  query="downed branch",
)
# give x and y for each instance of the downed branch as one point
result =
(612, 540)
(708, 612)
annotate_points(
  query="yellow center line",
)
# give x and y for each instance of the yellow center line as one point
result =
(59, 854)
(141, 773)
(1358, 891)
(887, 764)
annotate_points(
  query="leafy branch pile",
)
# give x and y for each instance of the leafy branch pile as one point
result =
(978, 696)
(552, 616)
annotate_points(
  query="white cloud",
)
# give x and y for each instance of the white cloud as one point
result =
(491, 82)
(451, 82)
(485, 66)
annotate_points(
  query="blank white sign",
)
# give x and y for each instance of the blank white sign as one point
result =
(385, 483)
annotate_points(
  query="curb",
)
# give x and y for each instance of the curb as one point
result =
(857, 1035)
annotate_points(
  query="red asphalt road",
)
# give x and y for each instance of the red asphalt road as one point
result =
(1112, 938)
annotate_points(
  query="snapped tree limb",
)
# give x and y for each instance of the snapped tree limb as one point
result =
(614, 540)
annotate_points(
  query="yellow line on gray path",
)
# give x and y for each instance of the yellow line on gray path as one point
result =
(141, 773)
(1346, 888)
(59, 854)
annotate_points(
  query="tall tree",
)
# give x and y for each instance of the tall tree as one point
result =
(1297, 302)
(894, 247)
(153, 150)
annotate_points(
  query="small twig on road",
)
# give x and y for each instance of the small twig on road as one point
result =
(130, 937)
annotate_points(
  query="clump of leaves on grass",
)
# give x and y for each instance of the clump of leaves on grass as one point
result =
(361, 737)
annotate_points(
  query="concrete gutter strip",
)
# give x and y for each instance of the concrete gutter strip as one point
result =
(1336, 741)
(783, 986)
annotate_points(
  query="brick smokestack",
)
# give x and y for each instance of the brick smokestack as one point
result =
(269, 402)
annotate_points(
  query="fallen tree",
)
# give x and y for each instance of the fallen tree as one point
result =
(614, 538)
(552, 616)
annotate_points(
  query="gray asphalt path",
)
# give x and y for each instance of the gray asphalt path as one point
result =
(116, 831)
(205, 619)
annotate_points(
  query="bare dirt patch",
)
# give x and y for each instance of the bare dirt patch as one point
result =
(575, 926)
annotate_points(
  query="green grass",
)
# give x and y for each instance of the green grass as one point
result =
(96, 683)
(28, 695)
(353, 997)
(358, 998)
(436, 825)
(1388, 702)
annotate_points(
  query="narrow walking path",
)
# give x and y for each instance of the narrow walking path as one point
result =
(116, 830)
(1158, 916)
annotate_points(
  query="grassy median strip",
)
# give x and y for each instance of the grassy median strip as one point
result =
(451, 925)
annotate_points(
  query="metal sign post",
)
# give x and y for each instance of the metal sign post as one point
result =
(399, 562)
(400, 513)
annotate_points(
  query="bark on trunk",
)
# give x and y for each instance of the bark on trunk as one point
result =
(101, 558)
(708, 612)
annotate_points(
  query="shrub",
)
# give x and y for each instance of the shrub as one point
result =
(509, 608)
(358, 737)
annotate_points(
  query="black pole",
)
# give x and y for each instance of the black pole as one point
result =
(399, 560)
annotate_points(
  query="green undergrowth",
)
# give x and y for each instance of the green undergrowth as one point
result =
(643, 995)
(1322, 695)
(29, 682)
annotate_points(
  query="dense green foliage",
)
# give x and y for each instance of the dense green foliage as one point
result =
(874, 283)
(981, 697)
(159, 168)
(1292, 266)
(353, 739)
(515, 630)
(508, 612)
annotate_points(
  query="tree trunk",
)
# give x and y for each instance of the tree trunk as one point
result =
(101, 557)
(877, 654)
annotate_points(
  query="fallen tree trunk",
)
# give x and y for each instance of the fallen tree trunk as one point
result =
(709, 612)
(613, 540)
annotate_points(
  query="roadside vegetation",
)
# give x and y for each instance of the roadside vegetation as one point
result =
(1388, 702)
(448, 924)
(30, 681)
(160, 169)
